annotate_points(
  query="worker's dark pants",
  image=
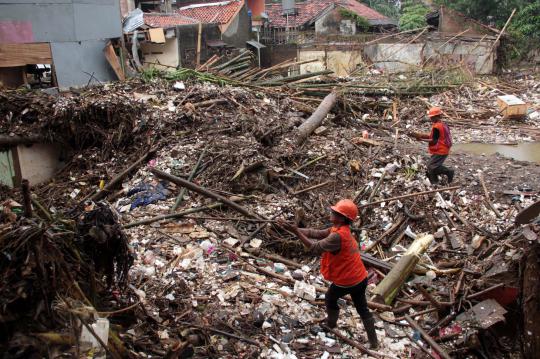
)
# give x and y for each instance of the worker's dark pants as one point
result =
(358, 295)
(435, 168)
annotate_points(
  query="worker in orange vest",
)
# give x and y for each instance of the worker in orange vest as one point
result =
(440, 142)
(341, 264)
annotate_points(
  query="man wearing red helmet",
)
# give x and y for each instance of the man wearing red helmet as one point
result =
(440, 142)
(341, 264)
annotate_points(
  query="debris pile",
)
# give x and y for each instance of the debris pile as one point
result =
(204, 173)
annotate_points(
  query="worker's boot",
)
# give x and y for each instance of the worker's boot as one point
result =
(450, 175)
(432, 177)
(369, 325)
(332, 317)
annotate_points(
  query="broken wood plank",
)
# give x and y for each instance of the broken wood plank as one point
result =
(112, 59)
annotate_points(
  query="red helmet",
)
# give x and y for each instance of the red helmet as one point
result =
(434, 111)
(347, 208)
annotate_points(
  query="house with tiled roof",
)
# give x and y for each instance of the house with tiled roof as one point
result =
(189, 34)
(230, 16)
(326, 17)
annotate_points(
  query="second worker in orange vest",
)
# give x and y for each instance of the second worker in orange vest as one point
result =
(341, 264)
(440, 142)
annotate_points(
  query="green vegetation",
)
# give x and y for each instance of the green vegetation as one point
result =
(362, 25)
(413, 15)
(389, 8)
(486, 11)
(182, 74)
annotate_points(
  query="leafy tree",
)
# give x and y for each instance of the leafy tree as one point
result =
(413, 15)
(525, 31)
(362, 24)
(389, 8)
(487, 11)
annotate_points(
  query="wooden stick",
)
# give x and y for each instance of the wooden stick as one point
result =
(180, 196)
(27, 199)
(488, 200)
(231, 219)
(179, 214)
(376, 189)
(427, 338)
(353, 343)
(231, 335)
(108, 188)
(311, 188)
(203, 191)
(408, 196)
(478, 294)
(428, 296)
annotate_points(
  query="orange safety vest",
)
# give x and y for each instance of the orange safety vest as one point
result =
(346, 267)
(440, 148)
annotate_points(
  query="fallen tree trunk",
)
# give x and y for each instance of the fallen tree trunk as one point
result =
(195, 188)
(316, 118)
(387, 289)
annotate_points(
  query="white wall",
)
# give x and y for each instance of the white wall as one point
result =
(164, 54)
(39, 162)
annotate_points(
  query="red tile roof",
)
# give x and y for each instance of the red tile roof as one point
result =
(310, 9)
(212, 13)
(167, 20)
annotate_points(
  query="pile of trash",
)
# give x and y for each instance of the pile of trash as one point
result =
(197, 181)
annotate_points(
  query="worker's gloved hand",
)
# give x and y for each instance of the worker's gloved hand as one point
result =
(287, 225)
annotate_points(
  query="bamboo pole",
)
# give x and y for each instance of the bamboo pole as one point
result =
(388, 288)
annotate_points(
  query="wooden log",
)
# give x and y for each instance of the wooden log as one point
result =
(388, 288)
(316, 119)
(427, 338)
(203, 191)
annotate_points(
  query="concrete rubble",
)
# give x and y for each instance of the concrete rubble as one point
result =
(205, 281)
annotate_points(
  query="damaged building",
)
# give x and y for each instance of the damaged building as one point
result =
(59, 35)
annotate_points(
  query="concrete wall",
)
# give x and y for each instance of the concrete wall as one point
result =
(451, 22)
(398, 57)
(165, 54)
(39, 162)
(239, 30)
(63, 20)
(341, 61)
(333, 23)
(75, 62)
(283, 52)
